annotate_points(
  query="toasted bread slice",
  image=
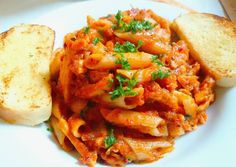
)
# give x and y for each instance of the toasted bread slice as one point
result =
(212, 42)
(25, 94)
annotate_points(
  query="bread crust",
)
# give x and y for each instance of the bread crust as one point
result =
(25, 93)
(212, 42)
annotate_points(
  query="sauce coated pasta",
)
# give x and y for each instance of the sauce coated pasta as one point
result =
(124, 88)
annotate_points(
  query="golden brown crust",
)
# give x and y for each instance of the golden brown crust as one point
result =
(25, 93)
(212, 42)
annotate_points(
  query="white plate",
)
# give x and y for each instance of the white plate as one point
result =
(212, 144)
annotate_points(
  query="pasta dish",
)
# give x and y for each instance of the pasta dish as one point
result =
(124, 88)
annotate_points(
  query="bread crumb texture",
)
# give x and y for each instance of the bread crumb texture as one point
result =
(25, 95)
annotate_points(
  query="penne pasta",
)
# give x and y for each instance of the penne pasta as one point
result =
(143, 122)
(148, 149)
(61, 137)
(93, 90)
(108, 61)
(150, 45)
(120, 102)
(124, 90)
(188, 103)
(74, 123)
(65, 77)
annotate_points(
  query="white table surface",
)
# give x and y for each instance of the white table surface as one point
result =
(14, 12)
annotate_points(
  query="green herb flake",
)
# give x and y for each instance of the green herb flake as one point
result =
(136, 26)
(159, 74)
(50, 129)
(86, 30)
(132, 82)
(111, 81)
(123, 62)
(117, 92)
(155, 60)
(140, 43)
(95, 41)
(110, 138)
(126, 47)
(119, 17)
(121, 91)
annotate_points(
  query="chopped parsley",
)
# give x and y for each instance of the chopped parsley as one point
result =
(127, 47)
(50, 129)
(119, 17)
(134, 26)
(159, 74)
(121, 91)
(96, 40)
(111, 81)
(110, 138)
(156, 61)
(86, 30)
(123, 62)
(140, 43)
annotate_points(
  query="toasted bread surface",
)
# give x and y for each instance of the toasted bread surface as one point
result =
(212, 42)
(25, 94)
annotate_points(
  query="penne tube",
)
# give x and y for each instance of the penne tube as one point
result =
(154, 93)
(93, 90)
(56, 62)
(144, 122)
(65, 77)
(86, 156)
(61, 137)
(148, 149)
(108, 61)
(160, 20)
(151, 44)
(141, 75)
(190, 107)
(120, 102)
(74, 123)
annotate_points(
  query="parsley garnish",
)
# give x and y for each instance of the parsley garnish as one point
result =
(111, 81)
(159, 74)
(110, 138)
(120, 90)
(50, 129)
(86, 30)
(119, 17)
(140, 43)
(123, 62)
(96, 40)
(127, 47)
(155, 60)
(135, 26)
